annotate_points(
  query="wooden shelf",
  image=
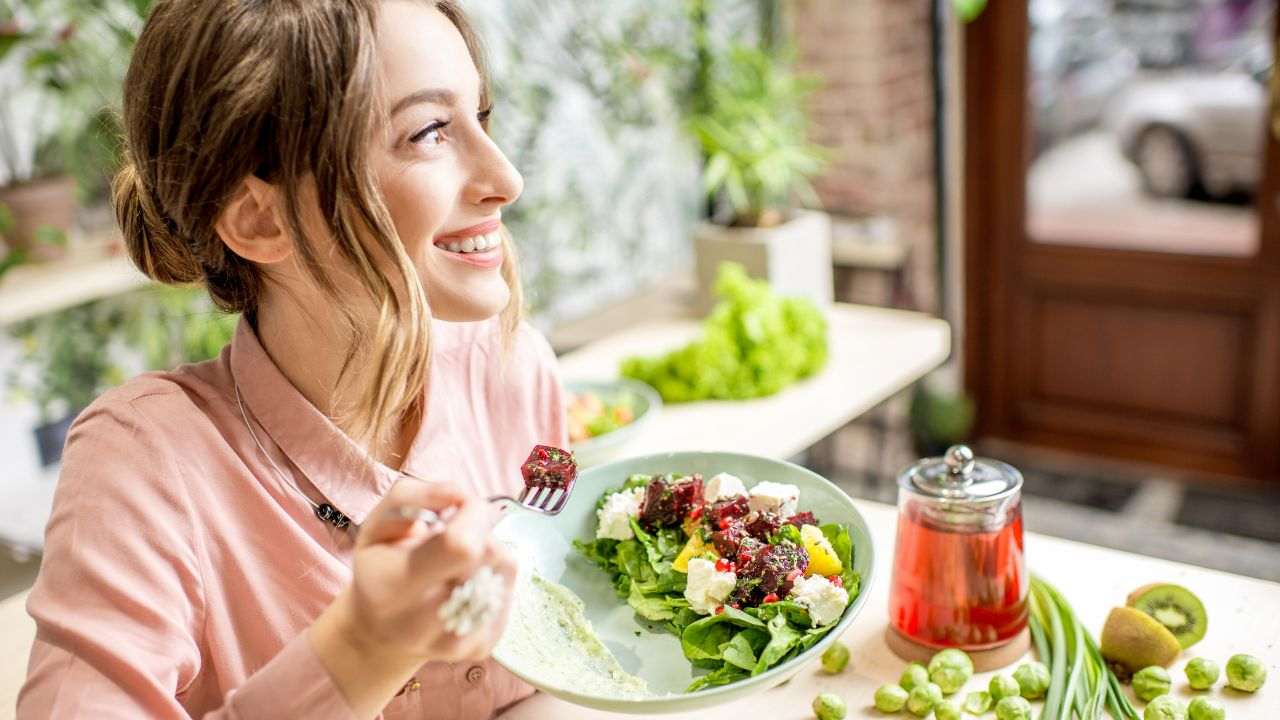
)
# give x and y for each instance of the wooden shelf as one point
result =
(36, 289)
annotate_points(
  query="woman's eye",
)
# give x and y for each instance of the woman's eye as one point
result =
(429, 135)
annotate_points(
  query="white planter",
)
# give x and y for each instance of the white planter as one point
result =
(795, 257)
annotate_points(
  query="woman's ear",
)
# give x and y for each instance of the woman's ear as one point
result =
(252, 223)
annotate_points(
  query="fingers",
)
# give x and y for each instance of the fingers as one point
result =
(399, 512)
(458, 549)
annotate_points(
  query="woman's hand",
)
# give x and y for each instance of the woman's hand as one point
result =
(386, 624)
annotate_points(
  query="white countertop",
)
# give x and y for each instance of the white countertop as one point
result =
(873, 354)
(1244, 617)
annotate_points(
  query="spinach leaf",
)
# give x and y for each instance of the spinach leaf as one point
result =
(723, 676)
(782, 638)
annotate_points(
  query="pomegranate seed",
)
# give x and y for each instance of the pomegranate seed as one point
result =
(836, 580)
(542, 454)
(743, 559)
(719, 609)
(695, 513)
(723, 565)
(724, 523)
(771, 598)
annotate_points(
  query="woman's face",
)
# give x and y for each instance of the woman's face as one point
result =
(443, 179)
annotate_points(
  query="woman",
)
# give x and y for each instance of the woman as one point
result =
(239, 538)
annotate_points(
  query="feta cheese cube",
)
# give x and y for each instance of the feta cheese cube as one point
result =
(614, 517)
(723, 486)
(707, 588)
(821, 597)
(775, 497)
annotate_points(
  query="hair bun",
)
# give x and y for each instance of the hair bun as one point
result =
(150, 235)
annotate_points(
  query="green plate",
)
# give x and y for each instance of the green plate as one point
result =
(655, 655)
(602, 448)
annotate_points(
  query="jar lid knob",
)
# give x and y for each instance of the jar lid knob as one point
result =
(960, 461)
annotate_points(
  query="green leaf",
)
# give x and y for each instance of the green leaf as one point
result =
(969, 10)
(50, 235)
(782, 638)
(738, 651)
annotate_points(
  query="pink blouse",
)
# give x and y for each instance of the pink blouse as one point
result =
(180, 572)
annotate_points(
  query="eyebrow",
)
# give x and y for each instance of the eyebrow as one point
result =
(438, 96)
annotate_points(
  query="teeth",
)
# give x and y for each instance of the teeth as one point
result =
(479, 243)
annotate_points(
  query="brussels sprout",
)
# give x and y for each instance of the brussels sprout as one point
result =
(1202, 708)
(1151, 682)
(829, 706)
(1014, 707)
(1202, 673)
(978, 702)
(922, 699)
(950, 669)
(1246, 672)
(946, 710)
(890, 698)
(1003, 686)
(1164, 707)
(835, 658)
(1033, 679)
(915, 674)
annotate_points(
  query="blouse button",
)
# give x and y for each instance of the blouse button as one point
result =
(475, 674)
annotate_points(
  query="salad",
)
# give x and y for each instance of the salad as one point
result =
(592, 415)
(743, 578)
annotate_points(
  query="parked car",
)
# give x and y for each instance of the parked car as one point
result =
(1078, 66)
(1196, 131)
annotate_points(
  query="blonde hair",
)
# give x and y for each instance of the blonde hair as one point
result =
(285, 90)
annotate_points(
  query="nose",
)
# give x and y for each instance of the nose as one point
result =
(494, 181)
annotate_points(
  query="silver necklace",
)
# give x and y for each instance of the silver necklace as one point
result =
(324, 511)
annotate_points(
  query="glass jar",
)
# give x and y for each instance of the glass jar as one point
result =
(959, 574)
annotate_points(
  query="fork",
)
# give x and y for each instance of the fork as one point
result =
(549, 476)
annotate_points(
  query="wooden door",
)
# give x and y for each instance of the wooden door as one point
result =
(1100, 317)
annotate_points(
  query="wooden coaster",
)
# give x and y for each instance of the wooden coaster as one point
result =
(983, 660)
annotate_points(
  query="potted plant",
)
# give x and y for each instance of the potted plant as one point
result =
(752, 128)
(64, 364)
(939, 418)
(63, 61)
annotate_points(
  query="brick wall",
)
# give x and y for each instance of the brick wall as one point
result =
(875, 111)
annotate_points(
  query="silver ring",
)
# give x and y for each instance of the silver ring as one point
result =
(473, 603)
(428, 517)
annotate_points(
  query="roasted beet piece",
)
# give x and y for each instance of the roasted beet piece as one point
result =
(667, 502)
(549, 466)
(728, 538)
(763, 524)
(726, 509)
(772, 569)
(802, 518)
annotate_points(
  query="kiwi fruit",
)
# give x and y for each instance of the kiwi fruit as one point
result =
(1175, 607)
(1135, 640)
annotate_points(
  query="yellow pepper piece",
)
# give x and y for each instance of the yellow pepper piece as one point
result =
(692, 549)
(822, 557)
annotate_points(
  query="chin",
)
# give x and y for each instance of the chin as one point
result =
(481, 299)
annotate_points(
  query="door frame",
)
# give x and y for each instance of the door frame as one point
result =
(1002, 267)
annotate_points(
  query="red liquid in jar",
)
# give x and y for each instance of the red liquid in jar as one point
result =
(955, 588)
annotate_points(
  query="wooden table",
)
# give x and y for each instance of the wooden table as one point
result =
(1244, 616)
(874, 353)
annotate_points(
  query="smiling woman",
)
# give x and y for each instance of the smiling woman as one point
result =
(241, 537)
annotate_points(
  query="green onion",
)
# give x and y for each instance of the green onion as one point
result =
(1081, 685)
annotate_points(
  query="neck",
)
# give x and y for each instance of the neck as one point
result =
(309, 351)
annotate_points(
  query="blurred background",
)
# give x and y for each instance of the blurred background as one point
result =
(1084, 189)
